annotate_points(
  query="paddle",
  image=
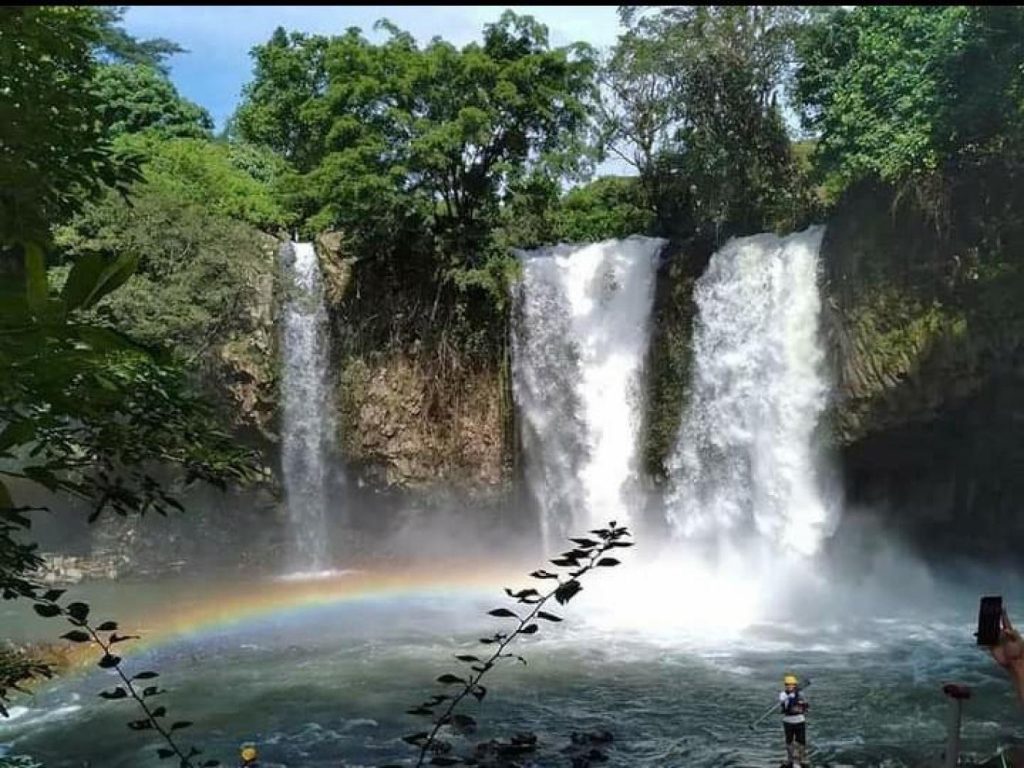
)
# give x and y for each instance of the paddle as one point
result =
(774, 708)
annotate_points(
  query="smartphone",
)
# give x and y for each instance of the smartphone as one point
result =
(990, 620)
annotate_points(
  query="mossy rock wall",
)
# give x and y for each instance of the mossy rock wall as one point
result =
(925, 331)
(412, 414)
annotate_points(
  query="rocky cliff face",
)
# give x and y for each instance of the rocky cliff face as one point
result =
(412, 417)
(926, 342)
(243, 370)
(406, 429)
(926, 336)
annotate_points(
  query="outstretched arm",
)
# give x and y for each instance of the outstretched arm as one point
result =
(1009, 654)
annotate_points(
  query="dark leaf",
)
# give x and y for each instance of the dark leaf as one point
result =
(17, 433)
(93, 276)
(442, 760)
(107, 626)
(79, 611)
(77, 636)
(159, 712)
(108, 661)
(53, 594)
(479, 692)
(180, 724)
(211, 763)
(521, 593)
(542, 574)
(607, 561)
(467, 657)
(145, 676)
(116, 638)
(621, 544)
(585, 542)
(43, 476)
(450, 680)
(575, 554)
(163, 753)
(548, 616)
(502, 613)
(567, 591)
(46, 611)
(151, 690)
(529, 629)
(117, 693)
(416, 738)
(419, 711)
(565, 562)
(140, 725)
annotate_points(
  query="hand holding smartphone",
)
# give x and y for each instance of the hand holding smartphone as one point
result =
(990, 614)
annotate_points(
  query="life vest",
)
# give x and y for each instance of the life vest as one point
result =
(793, 706)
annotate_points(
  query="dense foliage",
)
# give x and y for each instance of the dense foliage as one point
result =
(899, 93)
(692, 101)
(137, 97)
(417, 154)
(53, 150)
(84, 411)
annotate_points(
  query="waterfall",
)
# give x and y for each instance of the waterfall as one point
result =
(745, 464)
(307, 426)
(578, 343)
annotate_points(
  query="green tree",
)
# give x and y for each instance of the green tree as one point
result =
(214, 175)
(84, 411)
(420, 155)
(611, 206)
(114, 44)
(197, 271)
(282, 107)
(435, 138)
(137, 97)
(692, 101)
(902, 93)
(53, 151)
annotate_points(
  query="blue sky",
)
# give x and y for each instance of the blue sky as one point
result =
(219, 38)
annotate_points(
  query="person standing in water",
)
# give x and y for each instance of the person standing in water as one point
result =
(248, 757)
(794, 721)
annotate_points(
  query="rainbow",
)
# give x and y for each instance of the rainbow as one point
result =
(220, 607)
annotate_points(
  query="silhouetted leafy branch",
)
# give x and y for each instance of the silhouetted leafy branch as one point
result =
(586, 555)
(105, 636)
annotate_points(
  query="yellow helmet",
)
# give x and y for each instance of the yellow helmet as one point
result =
(790, 680)
(249, 753)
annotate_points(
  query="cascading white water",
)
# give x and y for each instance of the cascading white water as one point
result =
(578, 345)
(745, 464)
(307, 425)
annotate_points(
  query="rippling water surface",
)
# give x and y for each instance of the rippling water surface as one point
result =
(326, 685)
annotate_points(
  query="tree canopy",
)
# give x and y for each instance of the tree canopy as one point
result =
(137, 97)
(398, 144)
(904, 92)
(692, 101)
